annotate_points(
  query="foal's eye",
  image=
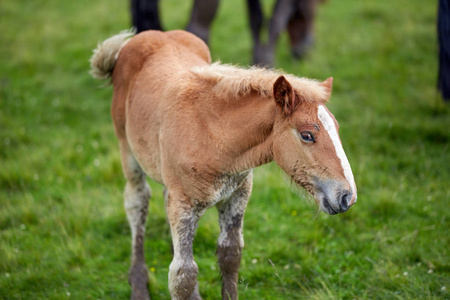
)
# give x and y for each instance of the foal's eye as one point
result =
(307, 136)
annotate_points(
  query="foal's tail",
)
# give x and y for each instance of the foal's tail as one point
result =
(105, 55)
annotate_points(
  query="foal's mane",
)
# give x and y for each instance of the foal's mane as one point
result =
(234, 82)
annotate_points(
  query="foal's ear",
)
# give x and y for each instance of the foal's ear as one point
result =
(327, 84)
(284, 95)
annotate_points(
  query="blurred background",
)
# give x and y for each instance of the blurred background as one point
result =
(63, 229)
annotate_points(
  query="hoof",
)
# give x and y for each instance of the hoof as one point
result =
(138, 279)
(140, 295)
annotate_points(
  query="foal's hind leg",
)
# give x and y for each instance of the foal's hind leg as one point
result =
(137, 195)
(231, 239)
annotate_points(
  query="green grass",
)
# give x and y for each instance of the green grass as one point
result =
(63, 230)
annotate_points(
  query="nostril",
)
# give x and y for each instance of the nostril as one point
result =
(344, 201)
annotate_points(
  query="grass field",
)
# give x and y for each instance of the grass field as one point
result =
(63, 229)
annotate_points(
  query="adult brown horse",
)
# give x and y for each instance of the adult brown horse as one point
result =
(200, 129)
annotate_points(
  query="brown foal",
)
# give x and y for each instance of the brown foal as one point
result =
(199, 129)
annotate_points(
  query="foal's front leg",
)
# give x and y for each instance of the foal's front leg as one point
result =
(231, 239)
(183, 270)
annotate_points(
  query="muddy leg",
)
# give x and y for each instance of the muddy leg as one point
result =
(137, 195)
(183, 270)
(231, 239)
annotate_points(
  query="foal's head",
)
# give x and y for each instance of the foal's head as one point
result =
(307, 147)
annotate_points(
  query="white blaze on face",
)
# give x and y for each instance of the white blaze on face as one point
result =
(328, 124)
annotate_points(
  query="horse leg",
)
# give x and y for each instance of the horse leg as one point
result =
(231, 239)
(137, 195)
(145, 15)
(301, 27)
(183, 270)
(280, 18)
(256, 17)
(202, 15)
(166, 197)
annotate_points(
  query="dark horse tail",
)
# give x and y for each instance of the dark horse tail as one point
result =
(105, 55)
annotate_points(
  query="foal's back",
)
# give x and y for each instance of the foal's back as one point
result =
(145, 77)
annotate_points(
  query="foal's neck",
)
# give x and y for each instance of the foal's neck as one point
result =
(247, 125)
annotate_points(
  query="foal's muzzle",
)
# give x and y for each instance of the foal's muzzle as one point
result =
(335, 197)
(342, 204)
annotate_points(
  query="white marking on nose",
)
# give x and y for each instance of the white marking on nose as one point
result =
(329, 126)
